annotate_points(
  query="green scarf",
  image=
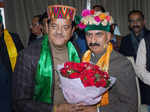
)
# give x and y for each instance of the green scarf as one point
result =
(44, 75)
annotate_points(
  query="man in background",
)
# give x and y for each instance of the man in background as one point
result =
(130, 43)
(142, 67)
(129, 47)
(36, 32)
(98, 8)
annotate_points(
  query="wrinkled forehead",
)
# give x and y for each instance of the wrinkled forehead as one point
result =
(95, 31)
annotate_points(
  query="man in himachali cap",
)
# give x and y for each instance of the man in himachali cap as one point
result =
(97, 31)
(93, 22)
(56, 49)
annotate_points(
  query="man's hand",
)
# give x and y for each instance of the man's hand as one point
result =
(75, 108)
(82, 108)
(66, 108)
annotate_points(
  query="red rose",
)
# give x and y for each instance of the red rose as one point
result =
(74, 75)
(63, 71)
(101, 83)
(90, 74)
(106, 76)
(68, 64)
(96, 67)
(78, 67)
(86, 64)
(92, 12)
(87, 80)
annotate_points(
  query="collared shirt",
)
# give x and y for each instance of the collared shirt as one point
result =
(140, 66)
(95, 57)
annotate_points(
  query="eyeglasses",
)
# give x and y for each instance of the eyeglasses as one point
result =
(34, 25)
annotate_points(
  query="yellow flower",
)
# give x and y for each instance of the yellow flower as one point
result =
(102, 16)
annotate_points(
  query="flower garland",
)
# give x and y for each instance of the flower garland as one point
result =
(91, 17)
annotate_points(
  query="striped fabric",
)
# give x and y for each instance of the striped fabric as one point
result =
(61, 11)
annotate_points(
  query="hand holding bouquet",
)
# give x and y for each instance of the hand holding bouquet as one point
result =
(83, 82)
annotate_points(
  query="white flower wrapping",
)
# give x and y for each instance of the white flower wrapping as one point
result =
(75, 92)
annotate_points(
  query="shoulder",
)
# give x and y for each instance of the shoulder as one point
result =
(122, 69)
(147, 35)
(14, 35)
(119, 62)
(117, 57)
(126, 38)
(31, 51)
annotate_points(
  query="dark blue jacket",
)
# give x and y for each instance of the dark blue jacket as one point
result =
(5, 89)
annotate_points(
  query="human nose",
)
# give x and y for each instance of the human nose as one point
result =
(59, 30)
(135, 22)
(93, 39)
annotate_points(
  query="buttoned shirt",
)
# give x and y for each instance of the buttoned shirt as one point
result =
(140, 66)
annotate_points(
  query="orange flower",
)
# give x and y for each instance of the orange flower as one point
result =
(102, 16)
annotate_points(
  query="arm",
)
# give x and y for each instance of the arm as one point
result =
(140, 67)
(23, 86)
(123, 94)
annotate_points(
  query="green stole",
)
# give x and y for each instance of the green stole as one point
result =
(44, 74)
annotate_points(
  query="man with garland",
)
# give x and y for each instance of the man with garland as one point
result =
(122, 97)
(35, 80)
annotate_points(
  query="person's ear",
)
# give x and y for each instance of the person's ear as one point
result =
(108, 36)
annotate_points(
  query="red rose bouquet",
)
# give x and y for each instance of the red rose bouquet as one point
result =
(83, 82)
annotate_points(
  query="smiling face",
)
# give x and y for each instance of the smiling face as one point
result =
(136, 23)
(60, 31)
(97, 40)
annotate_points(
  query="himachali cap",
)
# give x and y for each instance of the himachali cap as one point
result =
(94, 20)
(61, 11)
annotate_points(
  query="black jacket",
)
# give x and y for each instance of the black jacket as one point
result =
(24, 81)
(127, 46)
(5, 89)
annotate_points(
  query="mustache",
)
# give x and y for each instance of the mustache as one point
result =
(136, 26)
(94, 44)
